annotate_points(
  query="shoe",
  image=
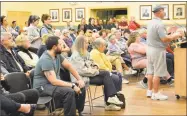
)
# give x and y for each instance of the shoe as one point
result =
(130, 71)
(149, 93)
(112, 107)
(158, 96)
(114, 100)
(125, 81)
(171, 83)
(143, 85)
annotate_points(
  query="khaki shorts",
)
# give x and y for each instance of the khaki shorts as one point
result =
(156, 62)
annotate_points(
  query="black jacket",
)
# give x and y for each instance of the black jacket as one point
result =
(9, 61)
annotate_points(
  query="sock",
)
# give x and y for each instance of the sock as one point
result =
(145, 80)
(169, 80)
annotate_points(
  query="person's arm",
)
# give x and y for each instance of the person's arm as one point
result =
(43, 31)
(33, 35)
(67, 65)
(166, 38)
(51, 77)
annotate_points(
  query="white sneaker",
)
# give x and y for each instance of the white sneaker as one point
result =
(130, 71)
(149, 93)
(112, 107)
(158, 96)
(125, 81)
(143, 85)
(114, 100)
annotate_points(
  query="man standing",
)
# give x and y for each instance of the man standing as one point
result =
(47, 75)
(157, 40)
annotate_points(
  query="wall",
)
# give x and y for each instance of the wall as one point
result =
(38, 8)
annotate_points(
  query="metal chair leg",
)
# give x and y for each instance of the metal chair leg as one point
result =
(89, 100)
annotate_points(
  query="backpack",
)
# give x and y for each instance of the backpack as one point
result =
(121, 97)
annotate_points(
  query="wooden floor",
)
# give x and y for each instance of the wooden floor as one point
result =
(137, 103)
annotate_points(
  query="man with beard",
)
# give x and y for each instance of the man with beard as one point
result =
(67, 95)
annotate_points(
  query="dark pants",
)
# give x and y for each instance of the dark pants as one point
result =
(29, 96)
(111, 83)
(67, 98)
(9, 106)
(171, 68)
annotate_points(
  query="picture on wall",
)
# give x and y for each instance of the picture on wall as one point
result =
(145, 12)
(79, 14)
(66, 14)
(179, 11)
(54, 13)
(166, 10)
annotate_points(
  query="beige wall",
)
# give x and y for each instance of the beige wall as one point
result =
(38, 8)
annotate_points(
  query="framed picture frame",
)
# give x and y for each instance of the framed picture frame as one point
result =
(54, 13)
(179, 11)
(166, 10)
(145, 12)
(79, 14)
(66, 14)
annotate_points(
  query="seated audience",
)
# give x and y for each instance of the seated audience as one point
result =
(15, 27)
(98, 26)
(72, 34)
(67, 95)
(137, 51)
(98, 56)
(6, 28)
(80, 32)
(47, 27)
(79, 58)
(110, 24)
(123, 25)
(83, 25)
(43, 48)
(23, 45)
(9, 56)
(65, 36)
(103, 34)
(68, 25)
(133, 25)
(91, 26)
(33, 31)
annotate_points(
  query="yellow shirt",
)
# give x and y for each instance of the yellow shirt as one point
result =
(101, 60)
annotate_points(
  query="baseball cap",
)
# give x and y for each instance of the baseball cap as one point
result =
(157, 8)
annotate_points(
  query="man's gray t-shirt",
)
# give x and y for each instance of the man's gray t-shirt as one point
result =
(46, 63)
(155, 31)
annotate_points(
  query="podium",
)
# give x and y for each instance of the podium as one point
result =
(180, 62)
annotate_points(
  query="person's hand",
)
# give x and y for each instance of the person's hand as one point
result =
(77, 89)
(177, 35)
(28, 73)
(81, 83)
(2, 77)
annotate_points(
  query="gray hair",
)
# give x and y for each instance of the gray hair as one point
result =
(5, 34)
(98, 42)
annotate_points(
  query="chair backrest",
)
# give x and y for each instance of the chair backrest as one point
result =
(17, 81)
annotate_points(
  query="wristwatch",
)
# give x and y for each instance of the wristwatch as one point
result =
(73, 85)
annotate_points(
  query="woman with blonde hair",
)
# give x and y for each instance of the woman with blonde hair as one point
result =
(23, 45)
(42, 47)
(90, 73)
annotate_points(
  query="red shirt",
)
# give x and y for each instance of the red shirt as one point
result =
(133, 25)
(123, 24)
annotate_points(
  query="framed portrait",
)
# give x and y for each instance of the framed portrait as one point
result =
(66, 14)
(166, 10)
(145, 12)
(179, 11)
(54, 13)
(79, 14)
